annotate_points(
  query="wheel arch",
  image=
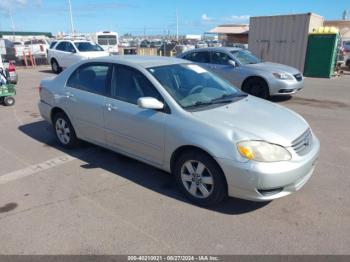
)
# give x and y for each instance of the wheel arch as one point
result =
(56, 110)
(254, 77)
(186, 148)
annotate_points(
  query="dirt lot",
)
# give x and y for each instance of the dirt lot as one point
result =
(93, 201)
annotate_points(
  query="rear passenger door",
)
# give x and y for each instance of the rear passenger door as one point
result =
(85, 99)
(130, 129)
(201, 57)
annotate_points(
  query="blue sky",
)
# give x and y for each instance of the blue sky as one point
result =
(153, 16)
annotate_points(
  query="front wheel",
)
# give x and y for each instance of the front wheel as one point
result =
(200, 178)
(9, 101)
(64, 131)
(256, 87)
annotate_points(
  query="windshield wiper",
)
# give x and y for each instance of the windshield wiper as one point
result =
(228, 97)
(225, 98)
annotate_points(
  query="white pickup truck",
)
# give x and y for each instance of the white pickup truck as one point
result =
(67, 52)
(37, 47)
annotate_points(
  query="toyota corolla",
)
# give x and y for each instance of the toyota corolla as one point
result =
(216, 140)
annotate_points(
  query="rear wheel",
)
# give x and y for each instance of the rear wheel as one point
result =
(200, 178)
(55, 66)
(9, 101)
(257, 87)
(64, 131)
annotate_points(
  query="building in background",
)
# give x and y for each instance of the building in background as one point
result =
(342, 25)
(24, 36)
(231, 34)
(282, 38)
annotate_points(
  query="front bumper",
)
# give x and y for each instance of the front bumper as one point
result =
(285, 87)
(259, 181)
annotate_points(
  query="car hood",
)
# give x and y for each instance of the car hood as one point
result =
(279, 68)
(94, 54)
(254, 118)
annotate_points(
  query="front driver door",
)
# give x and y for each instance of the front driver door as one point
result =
(130, 129)
(220, 65)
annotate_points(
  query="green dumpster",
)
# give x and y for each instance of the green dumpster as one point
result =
(321, 54)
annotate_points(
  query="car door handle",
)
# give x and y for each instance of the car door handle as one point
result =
(111, 107)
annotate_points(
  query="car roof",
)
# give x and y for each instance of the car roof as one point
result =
(143, 61)
(227, 49)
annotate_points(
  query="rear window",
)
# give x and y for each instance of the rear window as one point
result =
(107, 39)
(52, 44)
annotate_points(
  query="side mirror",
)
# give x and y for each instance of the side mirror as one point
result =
(233, 63)
(150, 103)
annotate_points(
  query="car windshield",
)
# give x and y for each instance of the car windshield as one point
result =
(87, 47)
(193, 86)
(245, 57)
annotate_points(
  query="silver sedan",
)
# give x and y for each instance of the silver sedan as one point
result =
(244, 70)
(181, 118)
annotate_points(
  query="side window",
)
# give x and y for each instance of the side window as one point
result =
(219, 58)
(70, 47)
(130, 84)
(93, 78)
(61, 46)
(199, 57)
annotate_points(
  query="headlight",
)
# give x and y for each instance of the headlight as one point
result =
(262, 151)
(283, 76)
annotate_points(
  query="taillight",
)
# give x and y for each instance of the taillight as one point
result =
(11, 68)
(40, 88)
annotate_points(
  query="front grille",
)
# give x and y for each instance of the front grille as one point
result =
(303, 143)
(298, 77)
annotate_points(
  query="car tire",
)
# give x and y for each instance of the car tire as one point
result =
(204, 187)
(9, 101)
(64, 131)
(257, 87)
(55, 66)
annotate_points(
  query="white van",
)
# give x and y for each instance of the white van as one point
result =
(108, 40)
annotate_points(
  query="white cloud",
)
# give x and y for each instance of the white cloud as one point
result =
(9, 4)
(237, 18)
(206, 18)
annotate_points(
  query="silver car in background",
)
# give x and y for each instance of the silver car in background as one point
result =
(181, 118)
(244, 70)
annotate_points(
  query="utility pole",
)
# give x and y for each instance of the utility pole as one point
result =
(12, 24)
(177, 25)
(71, 16)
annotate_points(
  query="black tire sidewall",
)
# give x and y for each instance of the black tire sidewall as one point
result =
(262, 85)
(73, 142)
(220, 186)
(53, 61)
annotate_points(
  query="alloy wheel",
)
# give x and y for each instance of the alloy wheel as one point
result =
(197, 179)
(63, 131)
